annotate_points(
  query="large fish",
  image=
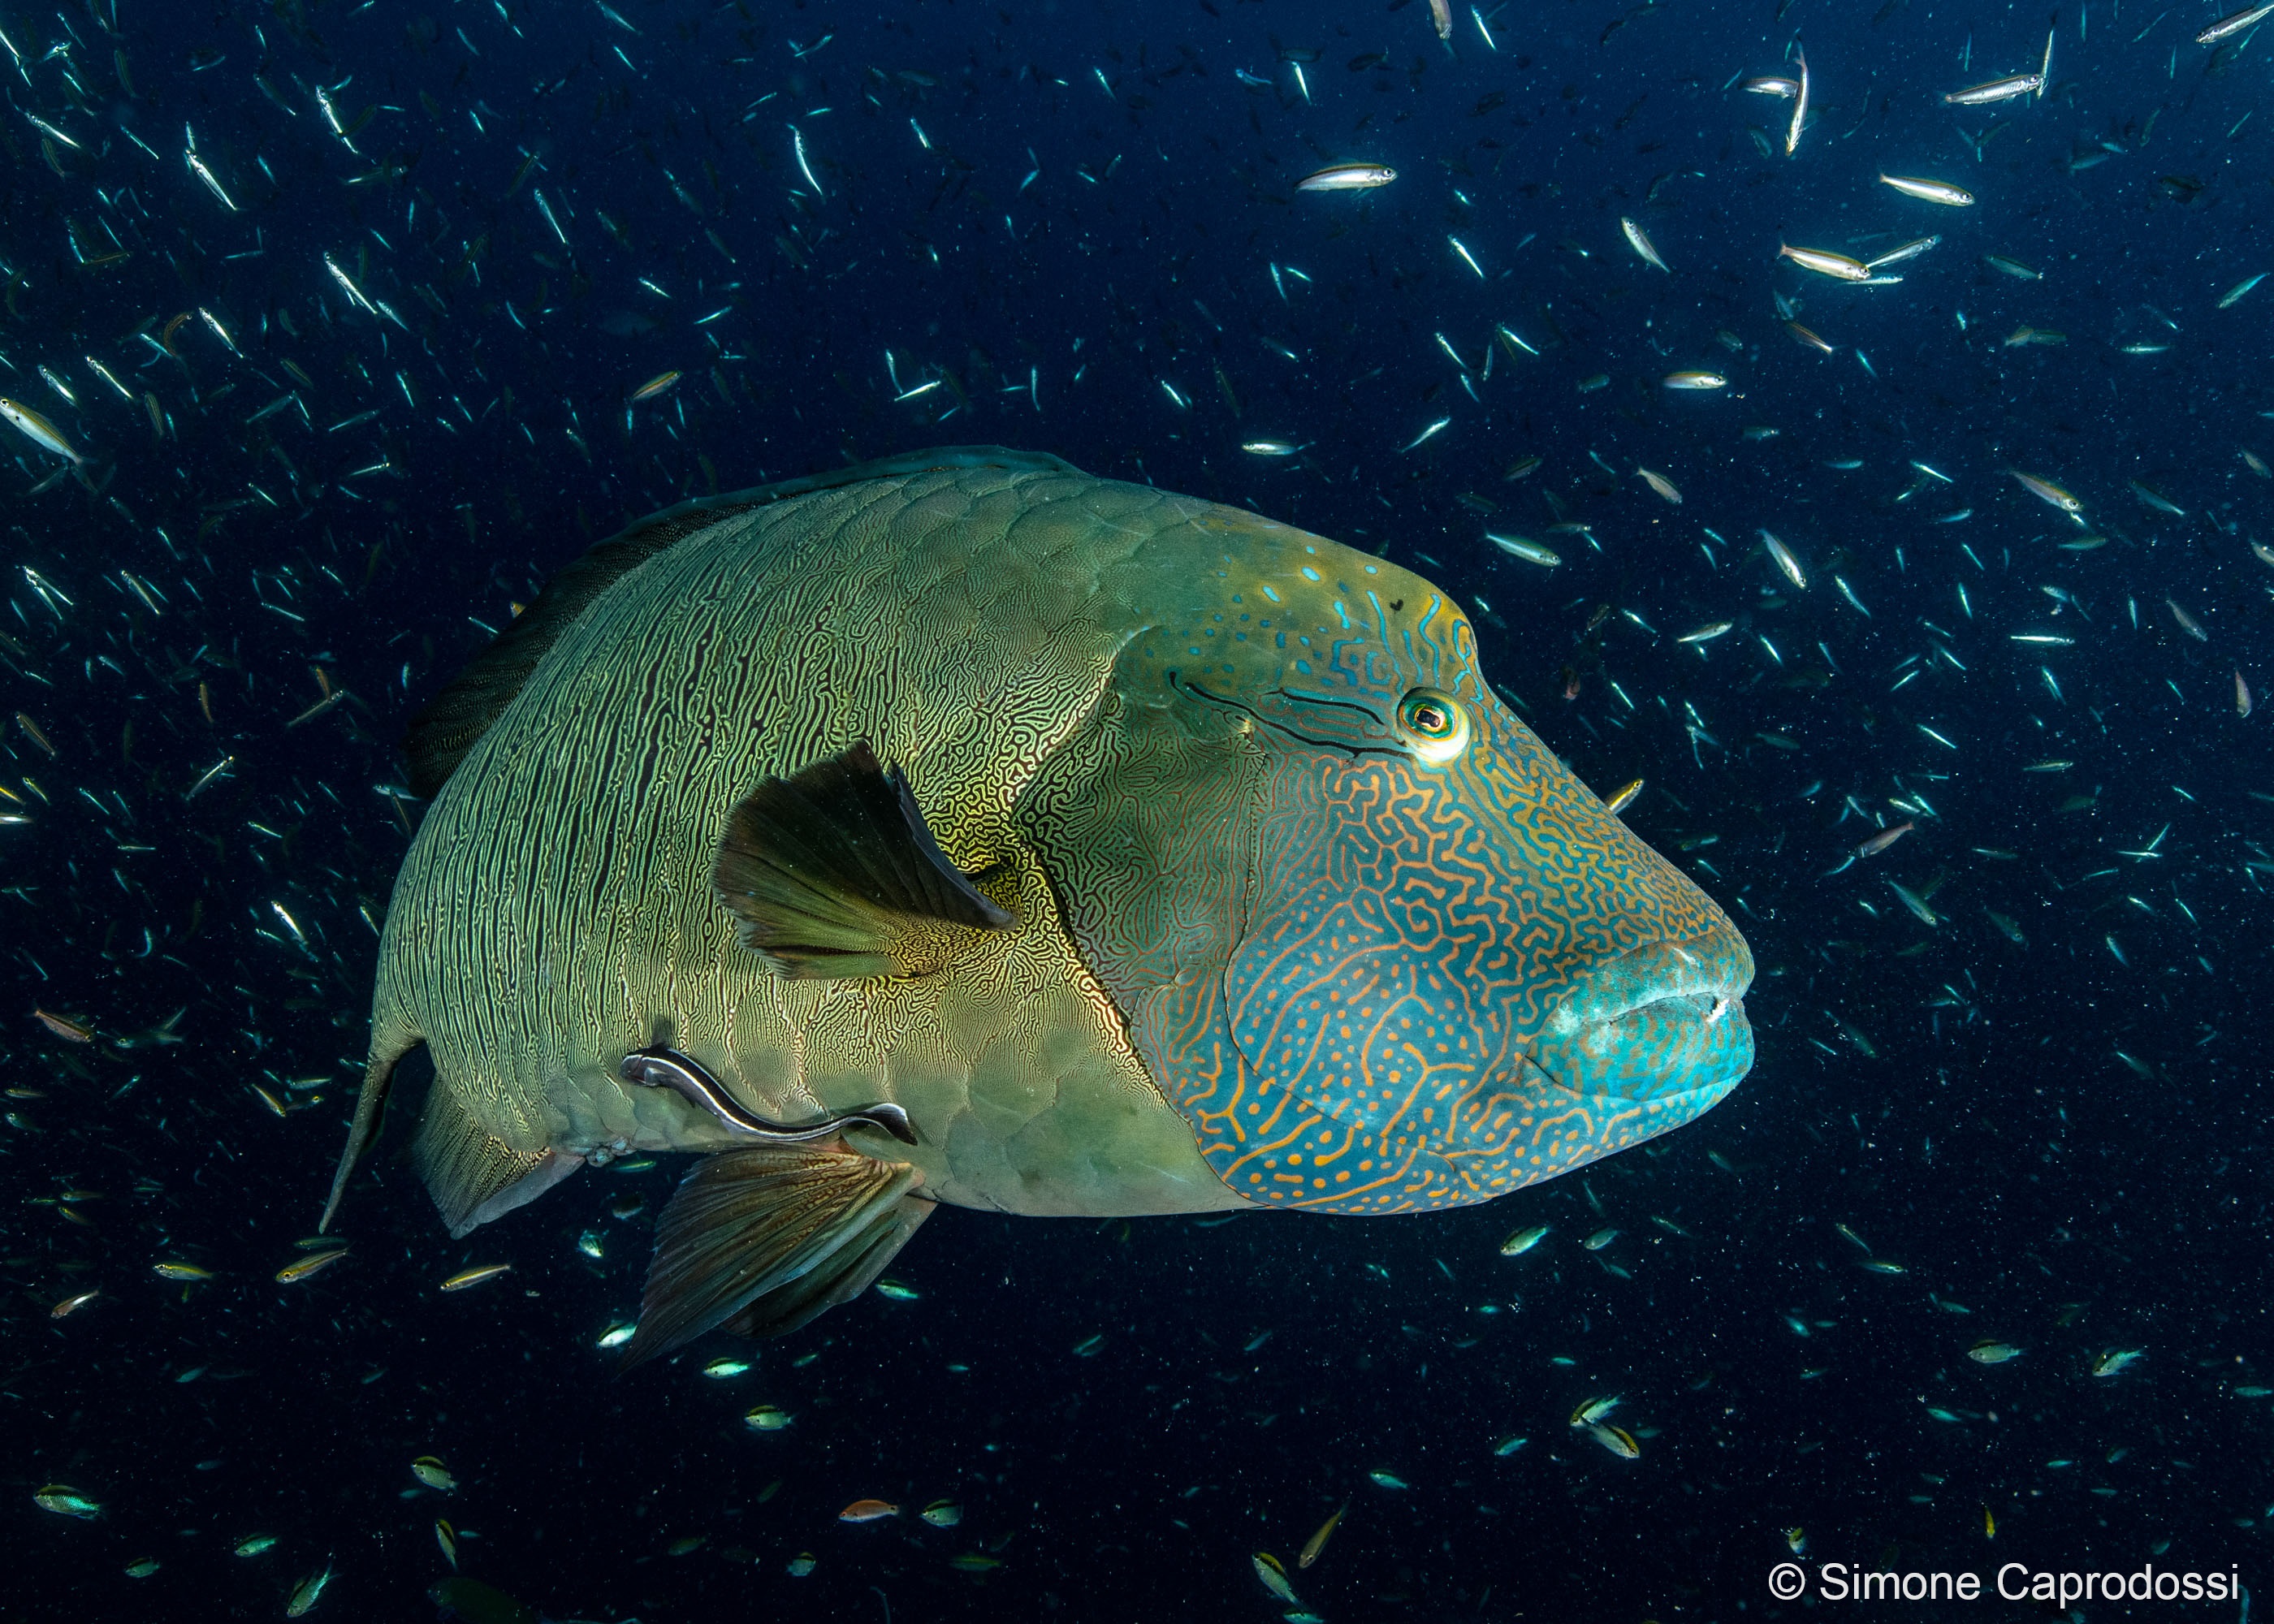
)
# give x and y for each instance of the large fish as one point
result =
(961, 828)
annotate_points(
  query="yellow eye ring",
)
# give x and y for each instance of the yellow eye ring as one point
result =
(1435, 725)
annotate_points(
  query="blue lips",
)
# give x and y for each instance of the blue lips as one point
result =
(1655, 1024)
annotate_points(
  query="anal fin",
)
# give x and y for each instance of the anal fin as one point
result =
(469, 1172)
(832, 872)
(769, 1236)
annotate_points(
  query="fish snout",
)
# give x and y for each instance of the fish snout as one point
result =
(1661, 1022)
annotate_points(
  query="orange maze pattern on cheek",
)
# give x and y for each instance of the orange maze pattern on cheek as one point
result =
(1375, 942)
(1414, 935)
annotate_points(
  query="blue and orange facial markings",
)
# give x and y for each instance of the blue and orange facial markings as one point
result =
(1273, 1147)
(1400, 963)
(1326, 1169)
(1408, 928)
(1436, 648)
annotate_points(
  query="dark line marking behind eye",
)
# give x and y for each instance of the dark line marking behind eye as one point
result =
(1365, 710)
(1353, 750)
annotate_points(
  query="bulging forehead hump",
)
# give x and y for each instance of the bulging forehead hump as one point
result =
(1242, 603)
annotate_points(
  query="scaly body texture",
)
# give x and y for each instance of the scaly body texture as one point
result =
(1247, 889)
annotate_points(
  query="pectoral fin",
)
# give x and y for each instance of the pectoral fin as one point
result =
(833, 873)
(768, 1237)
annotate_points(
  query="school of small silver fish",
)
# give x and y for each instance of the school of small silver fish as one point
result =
(1848, 433)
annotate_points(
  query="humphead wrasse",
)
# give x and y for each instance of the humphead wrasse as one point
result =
(961, 828)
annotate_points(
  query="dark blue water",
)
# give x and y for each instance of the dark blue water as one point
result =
(1069, 216)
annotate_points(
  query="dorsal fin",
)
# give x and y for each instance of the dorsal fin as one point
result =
(448, 726)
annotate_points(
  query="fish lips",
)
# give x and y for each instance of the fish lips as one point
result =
(1663, 1025)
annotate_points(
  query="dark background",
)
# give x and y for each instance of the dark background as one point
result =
(1963, 1101)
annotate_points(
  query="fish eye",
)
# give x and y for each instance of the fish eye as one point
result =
(1435, 725)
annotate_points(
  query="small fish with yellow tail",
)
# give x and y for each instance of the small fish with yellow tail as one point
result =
(307, 1592)
(1317, 1543)
(1523, 1240)
(66, 1501)
(466, 1279)
(1594, 1410)
(1274, 1574)
(1618, 1440)
(292, 1274)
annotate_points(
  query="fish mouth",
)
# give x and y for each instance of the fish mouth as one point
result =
(1661, 1021)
